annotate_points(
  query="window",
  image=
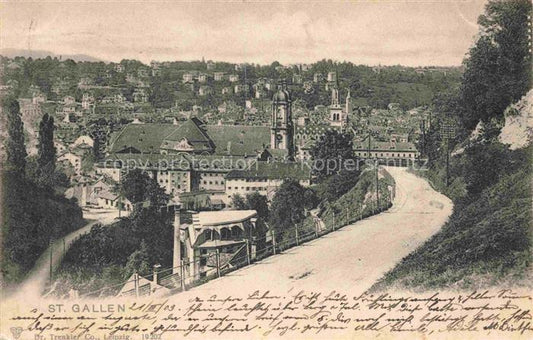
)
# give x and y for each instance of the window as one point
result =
(225, 234)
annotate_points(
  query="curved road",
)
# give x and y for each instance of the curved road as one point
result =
(348, 261)
(352, 258)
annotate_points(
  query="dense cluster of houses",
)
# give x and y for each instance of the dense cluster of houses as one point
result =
(212, 160)
(218, 161)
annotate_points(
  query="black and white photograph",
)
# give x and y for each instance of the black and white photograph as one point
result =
(266, 169)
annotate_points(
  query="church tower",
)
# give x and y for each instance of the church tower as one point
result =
(349, 107)
(335, 109)
(335, 96)
(281, 131)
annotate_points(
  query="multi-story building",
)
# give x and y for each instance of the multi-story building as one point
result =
(265, 178)
(140, 96)
(218, 76)
(188, 77)
(203, 77)
(392, 153)
(318, 77)
(332, 77)
(241, 88)
(87, 101)
(192, 156)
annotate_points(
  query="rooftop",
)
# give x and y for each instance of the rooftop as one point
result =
(214, 218)
(234, 140)
(274, 170)
(377, 145)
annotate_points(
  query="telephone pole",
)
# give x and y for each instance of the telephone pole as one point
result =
(447, 132)
(377, 184)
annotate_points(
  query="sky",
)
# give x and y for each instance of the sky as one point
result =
(411, 33)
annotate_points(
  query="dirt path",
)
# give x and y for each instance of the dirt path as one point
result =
(39, 276)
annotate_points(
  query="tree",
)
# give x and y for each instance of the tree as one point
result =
(287, 206)
(498, 67)
(484, 165)
(256, 201)
(138, 187)
(310, 199)
(46, 150)
(138, 261)
(98, 133)
(338, 184)
(332, 153)
(15, 147)
(238, 202)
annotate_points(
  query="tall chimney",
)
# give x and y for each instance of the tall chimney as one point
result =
(176, 258)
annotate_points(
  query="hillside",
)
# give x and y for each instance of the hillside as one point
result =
(518, 129)
(486, 242)
(360, 201)
(32, 217)
(13, 52)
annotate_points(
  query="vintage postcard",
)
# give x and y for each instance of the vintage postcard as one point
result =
(266, 169)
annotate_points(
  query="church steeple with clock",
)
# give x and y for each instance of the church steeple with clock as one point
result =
(281, 131)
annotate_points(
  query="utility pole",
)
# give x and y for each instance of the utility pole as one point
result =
(51, 251)
(247, 251)
(217, 254)
(377, 184)
(423, 128)
(447, 132)
(273, 241)
(182, 275)
(447, 162)
(347, 216)
(368, 154)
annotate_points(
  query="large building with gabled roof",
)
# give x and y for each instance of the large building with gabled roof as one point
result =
(191, 156)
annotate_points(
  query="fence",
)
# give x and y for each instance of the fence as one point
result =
(210, 266)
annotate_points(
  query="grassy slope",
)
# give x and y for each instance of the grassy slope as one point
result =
(486, 242)
(346, 208)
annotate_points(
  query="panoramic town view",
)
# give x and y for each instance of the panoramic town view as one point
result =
(139, 178)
